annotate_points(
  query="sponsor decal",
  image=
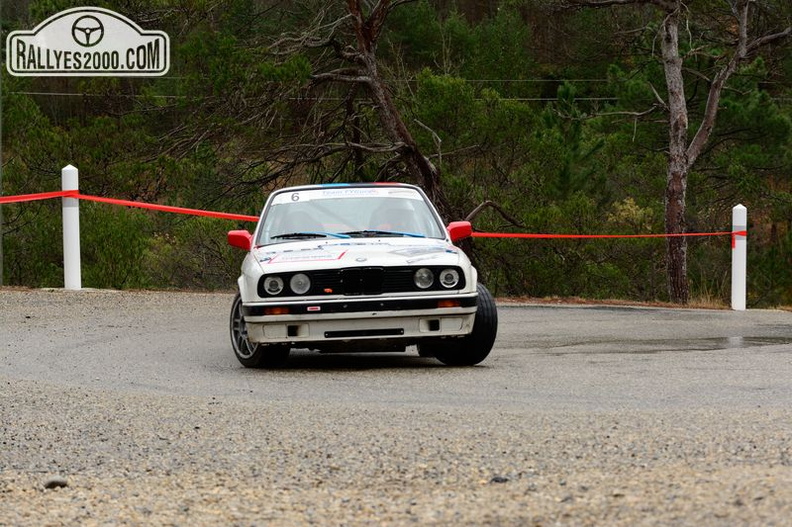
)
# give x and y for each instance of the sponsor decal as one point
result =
(305, 255)
(88, 42)
(343, 191)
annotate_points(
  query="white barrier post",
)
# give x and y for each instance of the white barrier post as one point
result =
(739, 257)
(71, 231)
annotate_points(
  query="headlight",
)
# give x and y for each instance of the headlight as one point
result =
(273, 285)
(300, 284)
(423, 278)
(449, 278)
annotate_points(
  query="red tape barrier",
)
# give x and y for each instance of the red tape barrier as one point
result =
(733, 235)
(125, 203)
(241, 217)
(168, 208)
(584, 236)
(551, 236)
(35, 197)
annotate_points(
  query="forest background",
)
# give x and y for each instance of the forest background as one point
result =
(553, 114)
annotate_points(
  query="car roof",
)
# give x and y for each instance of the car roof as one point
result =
(337, 185)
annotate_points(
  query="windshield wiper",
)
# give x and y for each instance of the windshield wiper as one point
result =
(376, 233)
(310, 235)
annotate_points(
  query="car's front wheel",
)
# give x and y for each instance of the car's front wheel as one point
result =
(473, 348)
(251, 354)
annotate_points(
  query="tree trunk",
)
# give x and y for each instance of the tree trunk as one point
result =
(367, 31)
(419, 167)
(676, 247)
(678, 165)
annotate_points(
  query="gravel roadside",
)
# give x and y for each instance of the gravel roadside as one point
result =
(146, 459)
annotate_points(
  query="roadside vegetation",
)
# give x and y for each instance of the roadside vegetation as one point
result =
(556, 112)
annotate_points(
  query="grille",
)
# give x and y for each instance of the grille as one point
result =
(356, 281)
(363, 281)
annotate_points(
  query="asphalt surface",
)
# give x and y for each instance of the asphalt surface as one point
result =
(580, 416)
(599, 358)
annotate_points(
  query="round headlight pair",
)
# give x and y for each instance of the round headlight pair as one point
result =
(424, 278)
(299, 284)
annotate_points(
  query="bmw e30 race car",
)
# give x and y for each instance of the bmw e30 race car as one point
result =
(357, 268)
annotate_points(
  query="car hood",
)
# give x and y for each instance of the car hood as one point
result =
(356, 252)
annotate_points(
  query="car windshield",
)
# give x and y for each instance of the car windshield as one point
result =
(348, 212)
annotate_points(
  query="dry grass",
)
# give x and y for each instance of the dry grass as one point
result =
(696, 303)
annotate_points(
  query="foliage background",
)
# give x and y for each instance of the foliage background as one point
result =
(533, 108)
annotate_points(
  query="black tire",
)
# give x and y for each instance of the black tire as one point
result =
(250, 354)
(475, 347)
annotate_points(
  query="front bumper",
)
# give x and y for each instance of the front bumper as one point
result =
(408, 319)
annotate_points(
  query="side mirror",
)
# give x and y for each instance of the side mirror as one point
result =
(240, 239)
(459, 230)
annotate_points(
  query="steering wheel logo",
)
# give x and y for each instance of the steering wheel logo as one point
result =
(87, 31)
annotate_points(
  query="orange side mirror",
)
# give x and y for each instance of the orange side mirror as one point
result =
(240, 239)
(459, 230)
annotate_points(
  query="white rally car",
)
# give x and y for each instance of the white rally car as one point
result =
(356, 268)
